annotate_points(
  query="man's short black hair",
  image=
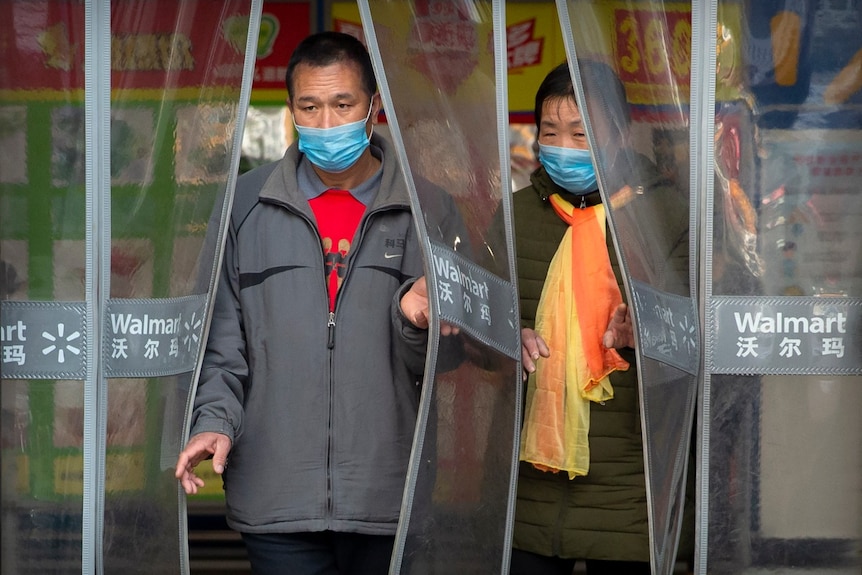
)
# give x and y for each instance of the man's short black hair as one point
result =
(325, 48)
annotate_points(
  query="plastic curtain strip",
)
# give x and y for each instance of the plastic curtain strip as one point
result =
(781, 471)
(125, 121)
(97, 77)
(634, 102)
(441, 94)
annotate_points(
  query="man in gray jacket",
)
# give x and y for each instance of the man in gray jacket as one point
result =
(311, 378)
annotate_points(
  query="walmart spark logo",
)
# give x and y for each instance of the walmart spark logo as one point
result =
(61, 343)
(191, 327)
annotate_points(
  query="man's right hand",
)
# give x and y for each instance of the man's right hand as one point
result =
(200, 447)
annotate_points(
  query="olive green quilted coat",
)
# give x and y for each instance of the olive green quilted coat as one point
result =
(604, 514)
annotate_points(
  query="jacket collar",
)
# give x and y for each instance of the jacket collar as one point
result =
(545, 187)
(282, 186)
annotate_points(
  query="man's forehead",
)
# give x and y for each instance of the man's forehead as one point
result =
(319, 97)
(334, 81)
(340, 68)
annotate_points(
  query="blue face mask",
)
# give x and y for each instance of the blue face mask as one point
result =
(334, 149)
(570, 168)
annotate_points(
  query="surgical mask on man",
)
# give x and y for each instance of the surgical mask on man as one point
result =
(337, 148)
(570, 168)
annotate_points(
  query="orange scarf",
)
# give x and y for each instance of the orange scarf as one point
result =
(578, 299)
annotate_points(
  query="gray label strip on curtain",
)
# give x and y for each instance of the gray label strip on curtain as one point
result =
(45, 340)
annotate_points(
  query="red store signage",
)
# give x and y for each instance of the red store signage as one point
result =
(155, 44)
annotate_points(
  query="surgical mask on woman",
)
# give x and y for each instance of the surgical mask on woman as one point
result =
(337, 148)
(570, 168)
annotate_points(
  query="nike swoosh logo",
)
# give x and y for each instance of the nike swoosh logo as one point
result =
(390, 256)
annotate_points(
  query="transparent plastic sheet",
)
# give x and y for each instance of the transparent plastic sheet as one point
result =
(631, 61)
(784, 439)
(436, 67)
(784, 468)
(176, 68)
(41, 442)
(171, 158)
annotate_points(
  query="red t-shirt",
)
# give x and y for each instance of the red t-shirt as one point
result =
(338, 214)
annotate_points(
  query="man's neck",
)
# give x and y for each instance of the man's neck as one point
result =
(365, 167)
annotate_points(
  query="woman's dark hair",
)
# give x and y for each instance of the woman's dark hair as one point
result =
(557, 84)
(602, 87)
(325, 48)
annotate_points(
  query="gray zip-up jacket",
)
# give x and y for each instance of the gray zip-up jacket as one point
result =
(320, 409)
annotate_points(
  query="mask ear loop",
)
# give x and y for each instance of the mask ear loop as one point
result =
(368, 115)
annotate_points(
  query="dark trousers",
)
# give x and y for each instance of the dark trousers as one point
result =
(323, 553)
(526, 563)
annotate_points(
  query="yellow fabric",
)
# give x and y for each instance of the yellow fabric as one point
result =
(578, 299)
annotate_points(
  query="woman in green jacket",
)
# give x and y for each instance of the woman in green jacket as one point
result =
(582, 500)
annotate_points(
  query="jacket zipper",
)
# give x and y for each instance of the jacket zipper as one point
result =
(330, 325)
(330, 343)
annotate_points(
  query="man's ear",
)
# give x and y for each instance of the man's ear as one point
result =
(376, 107)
